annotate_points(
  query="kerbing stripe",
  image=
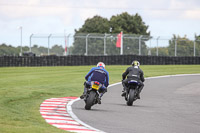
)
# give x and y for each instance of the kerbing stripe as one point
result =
(55, 113)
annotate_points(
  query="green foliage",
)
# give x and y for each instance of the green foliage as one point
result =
(55, 50)
(129, 24)
(9, 50)
(97, 24)
(197, 49)
(185, 47)
(14, 51)
(162, 51)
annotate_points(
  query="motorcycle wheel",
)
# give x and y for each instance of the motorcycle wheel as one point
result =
(90, 100)
(131, 97)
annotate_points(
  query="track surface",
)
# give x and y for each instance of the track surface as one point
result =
(167, 105)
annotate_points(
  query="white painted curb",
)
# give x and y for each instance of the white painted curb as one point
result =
(69, 110)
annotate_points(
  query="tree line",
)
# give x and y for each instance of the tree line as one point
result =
(9, 50)
(184, 47)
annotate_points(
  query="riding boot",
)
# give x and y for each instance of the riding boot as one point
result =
(139, 91)
(99, 98)
(84, 93)
(124, 90)
(100, 95)
(123, 94)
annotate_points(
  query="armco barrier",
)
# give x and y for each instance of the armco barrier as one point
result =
(77, 60)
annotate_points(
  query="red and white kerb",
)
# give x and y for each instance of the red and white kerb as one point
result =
(55, 112)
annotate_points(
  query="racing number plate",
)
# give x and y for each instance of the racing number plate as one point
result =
(96, 87)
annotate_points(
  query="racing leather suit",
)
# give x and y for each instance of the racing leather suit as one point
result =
(97, 74)
(133, 73)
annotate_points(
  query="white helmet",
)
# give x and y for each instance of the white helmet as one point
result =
(101, 64)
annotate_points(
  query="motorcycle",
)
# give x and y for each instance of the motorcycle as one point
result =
(132, 91)
(92, 95)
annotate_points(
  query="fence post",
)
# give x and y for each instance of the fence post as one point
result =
(86, 45)
(105, 44)
(122, 45)
(65, 43)
(194, 48)
(20, 40)
(157, 46)
(175, 47)
(68, 43)
(48, 42)
(30, 42)
(140, 45)
(149, 50)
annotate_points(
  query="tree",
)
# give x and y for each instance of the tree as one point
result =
(58, 50)
(97, 24)
(129, 24)
(162, 51)
(8, 50)
(197, 45)
(184, 46)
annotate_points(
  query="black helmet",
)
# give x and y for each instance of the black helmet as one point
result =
(135, 63)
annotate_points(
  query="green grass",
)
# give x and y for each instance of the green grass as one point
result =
(23, 89)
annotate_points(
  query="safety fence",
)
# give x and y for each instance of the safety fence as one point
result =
(77, 60)
(105, 44)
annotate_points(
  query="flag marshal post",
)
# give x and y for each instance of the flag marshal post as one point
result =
(119, 43)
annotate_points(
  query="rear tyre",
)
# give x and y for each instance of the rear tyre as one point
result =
(90, 100)
(131, 97)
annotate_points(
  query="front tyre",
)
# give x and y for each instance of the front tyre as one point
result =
(90, 100)
(131, 97)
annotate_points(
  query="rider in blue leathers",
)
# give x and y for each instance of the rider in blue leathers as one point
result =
(99, 74)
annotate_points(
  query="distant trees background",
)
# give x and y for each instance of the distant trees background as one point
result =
(184, 47)
(38, 50)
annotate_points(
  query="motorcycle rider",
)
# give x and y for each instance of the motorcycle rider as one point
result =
(99, 74)
(133, 73)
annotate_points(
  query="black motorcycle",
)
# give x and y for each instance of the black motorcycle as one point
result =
(131, 92)
(92, 95)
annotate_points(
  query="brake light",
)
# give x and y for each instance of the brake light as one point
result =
(97, 83)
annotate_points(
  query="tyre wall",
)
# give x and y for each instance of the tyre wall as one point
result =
(77, 60)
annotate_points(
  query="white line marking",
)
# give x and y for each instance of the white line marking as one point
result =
(69, 110)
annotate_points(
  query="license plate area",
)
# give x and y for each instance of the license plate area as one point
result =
(96, 87)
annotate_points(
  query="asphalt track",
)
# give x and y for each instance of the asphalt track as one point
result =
(167, 105)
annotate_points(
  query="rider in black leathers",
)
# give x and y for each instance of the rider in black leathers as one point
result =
(133, 73)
